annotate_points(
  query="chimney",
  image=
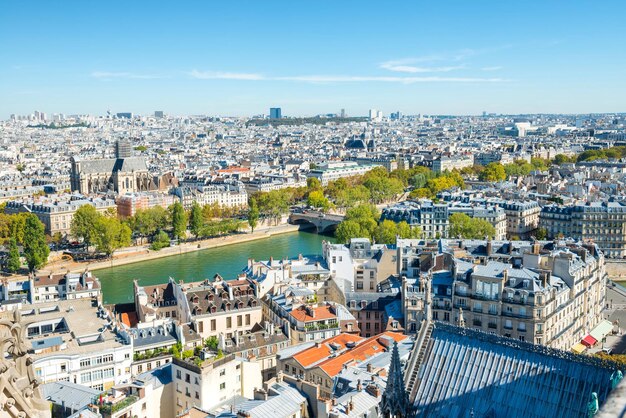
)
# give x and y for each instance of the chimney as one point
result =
(260, 395)
(536, 247)
(373, 390)
(489, 246)
(359, 386)
(505, 275)
(271, 260)
(370, 368)
(545, 278)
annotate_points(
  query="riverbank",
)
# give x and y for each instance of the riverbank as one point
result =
(139, 254)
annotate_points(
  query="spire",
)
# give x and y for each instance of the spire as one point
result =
(395, 400)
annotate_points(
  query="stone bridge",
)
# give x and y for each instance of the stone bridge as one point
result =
(322, 222)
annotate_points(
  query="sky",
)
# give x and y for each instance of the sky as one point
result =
(239, 58)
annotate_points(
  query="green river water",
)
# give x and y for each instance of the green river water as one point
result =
(228, 261)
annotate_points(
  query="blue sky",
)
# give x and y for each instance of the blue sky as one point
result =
(242, 57)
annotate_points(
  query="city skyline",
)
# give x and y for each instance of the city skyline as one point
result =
(240, 59)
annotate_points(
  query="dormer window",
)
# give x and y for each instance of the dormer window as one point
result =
(213, 309)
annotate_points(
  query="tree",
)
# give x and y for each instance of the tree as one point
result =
(493, 172)
(17, 225)
(347, 230)
(211, 343)
(111, 235)
(313, 183)
(317, 199)
(462, 226)
(560, 159)
(13, 262)
(179, 220)
(385, 232)
(541, 234)
(36, 250)
(196, 220)
(85, 223)
(161, 240)
(253, 214)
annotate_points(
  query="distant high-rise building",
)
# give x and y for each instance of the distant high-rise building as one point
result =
(395, 115)
(372, 114)
(343, 113)
(158, 114)
(275, 113)
(124, 115)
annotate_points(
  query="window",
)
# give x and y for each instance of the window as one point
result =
(85, 363)
(229, 322)
(359, 285)
(247, 319)
(222, 385)
(213, 325)
(223, 372)
(200, 326)
(178, 374)
(239, 320)
(187, 378)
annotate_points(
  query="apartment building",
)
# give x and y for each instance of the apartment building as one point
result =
(130, 203)
(225, 195)
(430, 217)
(334, 170)
(549, 293)
(57, 215)
(218, 306)
(522, 218)
(260, 344)
(360, 265)
(155, 302)
(206, 381)
(603, 223)
(450, 163)
(77, 341)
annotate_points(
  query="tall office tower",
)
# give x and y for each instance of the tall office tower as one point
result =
(159, 114)
(343, 113)
(373, 114)
(275, 113)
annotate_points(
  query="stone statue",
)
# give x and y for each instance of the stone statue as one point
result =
(592, 406)
(19, 388)
(616, 377)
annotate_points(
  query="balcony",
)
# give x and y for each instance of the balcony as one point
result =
(516, 315)
(485, 297)
(478, 323)
(493, 325)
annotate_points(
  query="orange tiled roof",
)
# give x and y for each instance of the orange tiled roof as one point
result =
(321, 313)
(323, 350)
(130, 319)
(360, 353)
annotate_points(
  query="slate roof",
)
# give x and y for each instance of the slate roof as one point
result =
(471, 373)
(75, 396)
(285, 402)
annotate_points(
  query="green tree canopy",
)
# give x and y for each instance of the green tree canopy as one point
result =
(196, 220)
(317, 199)
(253, 214)
(493, 172)
(111, 235)
(13, 261)
(179, 220)
(36, 250)
(462, 226)
(84, 223)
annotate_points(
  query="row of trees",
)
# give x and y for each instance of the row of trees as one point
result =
(362, 222)
(103, 231)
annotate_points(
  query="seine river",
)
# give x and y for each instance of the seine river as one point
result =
(228, 261)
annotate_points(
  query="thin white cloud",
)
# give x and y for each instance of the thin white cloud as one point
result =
(402, 66)
(212, 75)
(321, 79)
(493, 68)
(110, 75)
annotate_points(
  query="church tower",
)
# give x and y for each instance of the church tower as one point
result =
(122, 149)
(395, 400)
